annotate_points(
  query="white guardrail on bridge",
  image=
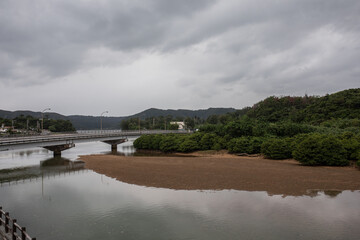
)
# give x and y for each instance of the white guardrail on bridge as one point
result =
(82, 135)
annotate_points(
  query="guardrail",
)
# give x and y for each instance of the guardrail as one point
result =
(82, 136)
(99, 131)
(10, 230)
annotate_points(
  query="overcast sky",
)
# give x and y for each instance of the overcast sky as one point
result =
(124, 56)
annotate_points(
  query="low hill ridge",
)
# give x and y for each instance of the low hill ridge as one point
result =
(93, 122)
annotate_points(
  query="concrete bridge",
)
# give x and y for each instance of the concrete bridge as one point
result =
(62, 141)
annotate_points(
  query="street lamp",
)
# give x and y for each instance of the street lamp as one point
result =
(101, 119)
(42, 118)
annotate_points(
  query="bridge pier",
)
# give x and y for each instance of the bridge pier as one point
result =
(114, 143)
(57, 149)
(114, 147)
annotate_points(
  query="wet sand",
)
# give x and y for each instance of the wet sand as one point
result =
(224, 171)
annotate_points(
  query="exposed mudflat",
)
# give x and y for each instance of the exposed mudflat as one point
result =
(224, 171)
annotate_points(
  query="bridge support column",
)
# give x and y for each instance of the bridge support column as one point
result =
(114, 143)
(114, 147)
(57, 149)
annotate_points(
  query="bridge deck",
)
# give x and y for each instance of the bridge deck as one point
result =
(83, 136)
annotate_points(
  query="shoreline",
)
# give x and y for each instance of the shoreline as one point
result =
(222, 171)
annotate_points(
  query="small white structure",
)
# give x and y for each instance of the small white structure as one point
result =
(4, 129)
(180, 124)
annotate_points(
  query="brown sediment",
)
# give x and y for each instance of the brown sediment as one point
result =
(224, 171)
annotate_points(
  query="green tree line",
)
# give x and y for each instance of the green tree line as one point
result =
(313, 130)
(31, 123)
(160, 122)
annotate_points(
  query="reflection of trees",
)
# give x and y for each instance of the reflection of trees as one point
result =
(331, 192)
(56, 161)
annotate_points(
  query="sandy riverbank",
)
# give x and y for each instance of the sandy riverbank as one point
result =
(224, 171)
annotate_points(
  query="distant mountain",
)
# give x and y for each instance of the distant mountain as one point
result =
(11, 115)
(312, 109)
(183, 113)
(93, 122)
(90, 122)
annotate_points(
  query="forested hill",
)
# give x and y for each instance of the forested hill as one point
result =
(344, 104)
(93, 122)
(11, 115)
(182, 113)
(311, 109)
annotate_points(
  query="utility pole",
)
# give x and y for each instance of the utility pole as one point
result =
(42, 118)
(101, 119)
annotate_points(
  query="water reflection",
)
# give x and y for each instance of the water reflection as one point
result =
(87, 205)
(33, 156)
(50, 167)
(55, 198)
(316, 192)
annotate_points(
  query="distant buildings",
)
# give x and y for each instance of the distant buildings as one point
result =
(4, 129)
(180, 124)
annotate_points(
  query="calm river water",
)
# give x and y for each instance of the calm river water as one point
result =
(57, 199)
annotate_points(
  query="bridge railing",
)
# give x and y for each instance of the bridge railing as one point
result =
(10, 230)
(99, 131)
(114, 131)
(83, 136)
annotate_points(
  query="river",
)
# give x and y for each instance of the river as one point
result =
(56, 198)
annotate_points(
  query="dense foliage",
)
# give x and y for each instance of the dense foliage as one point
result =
(309, 109)
(34, 124)
(161, 122)
(58, 125)
(313, 130)
(317, 149)
(276, 148)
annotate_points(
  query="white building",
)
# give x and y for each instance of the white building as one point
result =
(180, 124)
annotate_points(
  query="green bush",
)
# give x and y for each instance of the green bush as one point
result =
(138, 142)
(216, 146)
(155, 141)
(196, 136)
(289, 129)
(319, 149)
(207, 141)
(149, 142)
(238, 128)
(239, 145)
(188, 146)
(250, 145)
(221, 142)
(351, 143)
(255, 144)
(276, 149)
(169, 143)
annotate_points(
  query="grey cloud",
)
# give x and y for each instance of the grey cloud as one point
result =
(54, 36)
(264, 41)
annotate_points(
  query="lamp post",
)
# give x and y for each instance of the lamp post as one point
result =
(101, 118)
(42, 118)
(139, 125)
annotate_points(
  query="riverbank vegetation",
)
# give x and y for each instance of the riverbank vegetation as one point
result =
(28, 123)
(313, 130)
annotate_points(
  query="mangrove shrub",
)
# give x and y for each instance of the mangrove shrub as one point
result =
(276, 148)
(319, 149)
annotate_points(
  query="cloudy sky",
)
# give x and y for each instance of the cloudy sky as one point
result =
(124, 56)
